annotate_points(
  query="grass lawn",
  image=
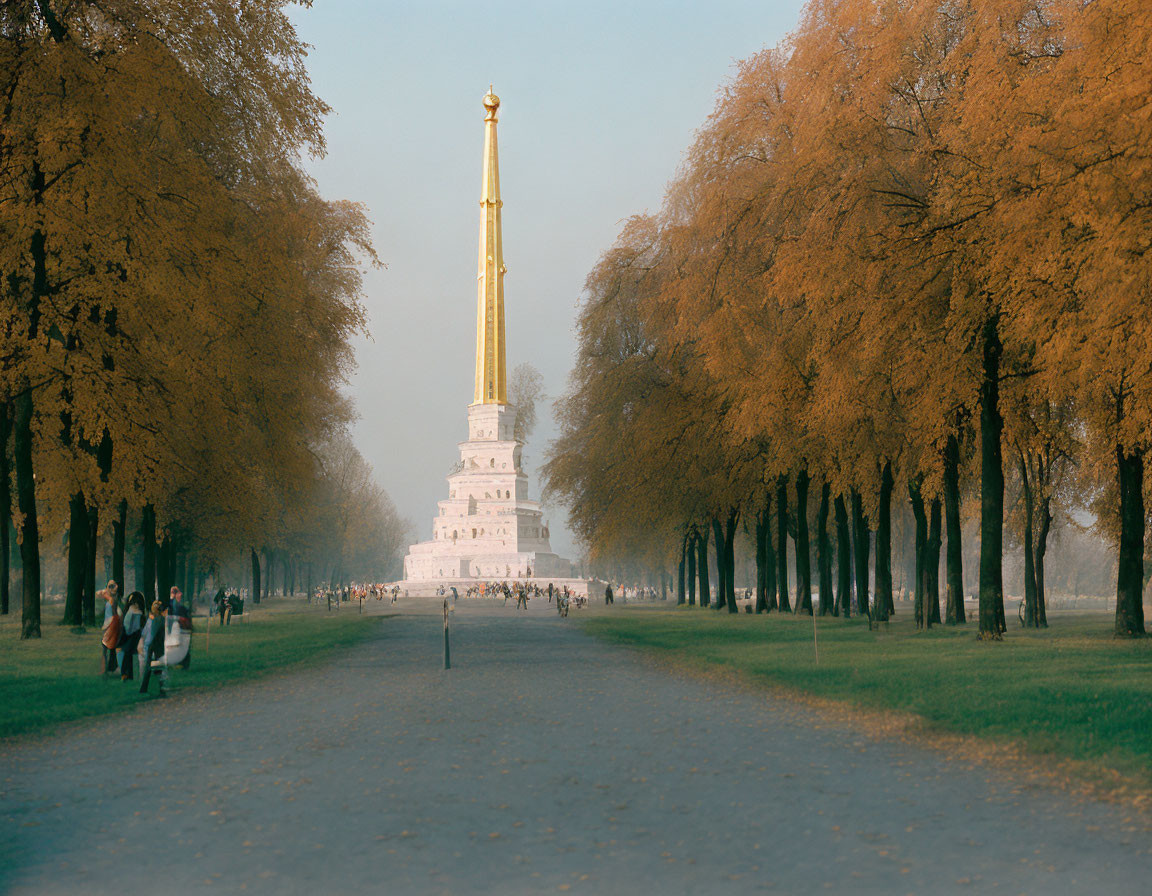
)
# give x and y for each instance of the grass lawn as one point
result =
(57, 678)
(1069, 691)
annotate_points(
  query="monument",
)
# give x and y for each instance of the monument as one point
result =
(488, 529)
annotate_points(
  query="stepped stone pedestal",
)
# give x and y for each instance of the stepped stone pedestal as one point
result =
(488, 528)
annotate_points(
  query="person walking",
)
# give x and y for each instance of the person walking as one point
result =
(608, 594)
(220, 602)
(522, 598)
(110, 630)
(133, 625)
(152, 646)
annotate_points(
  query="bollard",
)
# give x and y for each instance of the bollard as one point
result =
(447, 652)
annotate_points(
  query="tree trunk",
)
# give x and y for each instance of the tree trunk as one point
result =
(702, 567)
(77, 560)
(29, 528)
(148, 552)
(1041, 550)
(827, 606)
(22, 435)
(5, 507)
(93, 545)
(721, 570)
(861, 548)
(191, 582)
(932, 567)
(882, 604)
(269, 568)
(918, 577)
(843, 559)
(1031, 618)
(680, 598)
(1130, 568)
(954, 562)
(180, 568)
(803, 552)
(782, 544)
(256, 576)
(164, 571)
(690, 550)
(729, 560)
(118, 527)
(991, 613)
(762, 585)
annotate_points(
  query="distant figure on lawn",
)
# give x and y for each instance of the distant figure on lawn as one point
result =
(608, 594)
(110, 630)
(235, 607)
(220, 602)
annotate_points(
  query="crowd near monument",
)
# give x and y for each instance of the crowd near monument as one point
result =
(488, 528)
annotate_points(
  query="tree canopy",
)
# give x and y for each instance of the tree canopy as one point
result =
(179, 299)
(905, 254)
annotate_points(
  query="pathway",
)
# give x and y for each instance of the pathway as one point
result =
(544, 761)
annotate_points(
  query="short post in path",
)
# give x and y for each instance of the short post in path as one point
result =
(447, 653)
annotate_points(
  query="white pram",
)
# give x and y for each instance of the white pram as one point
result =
(176, 644)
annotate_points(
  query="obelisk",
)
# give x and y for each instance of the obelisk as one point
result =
(488, 528)
(491, 371)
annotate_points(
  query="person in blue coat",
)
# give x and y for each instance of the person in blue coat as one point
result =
(153, 645)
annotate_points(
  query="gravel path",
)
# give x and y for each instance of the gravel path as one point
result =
(543, 761)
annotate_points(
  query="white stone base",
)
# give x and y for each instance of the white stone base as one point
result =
(487, 529)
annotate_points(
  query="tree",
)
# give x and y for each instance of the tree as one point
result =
(180, 345)
(524, 391)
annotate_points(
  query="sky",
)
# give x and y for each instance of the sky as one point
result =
(599, 101)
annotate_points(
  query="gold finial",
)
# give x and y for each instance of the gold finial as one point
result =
(491, 104)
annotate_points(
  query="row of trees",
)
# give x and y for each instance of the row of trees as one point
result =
(905, 256)
(178, 301)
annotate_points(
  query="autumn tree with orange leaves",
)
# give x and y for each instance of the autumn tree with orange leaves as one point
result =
(178, 299)
(910, 242)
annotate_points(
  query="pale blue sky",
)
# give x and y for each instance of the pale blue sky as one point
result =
(599, 102)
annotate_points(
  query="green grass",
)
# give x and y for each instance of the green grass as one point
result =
(57, 678)
(1070, 691)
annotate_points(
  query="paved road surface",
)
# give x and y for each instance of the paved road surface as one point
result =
(543, 761)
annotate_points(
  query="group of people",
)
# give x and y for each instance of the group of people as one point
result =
(227, 603)
(345, 593)
(149, 639)
(516, 590)
(627, 592)
(521, 592)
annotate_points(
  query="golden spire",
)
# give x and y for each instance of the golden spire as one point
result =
(491, 375)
